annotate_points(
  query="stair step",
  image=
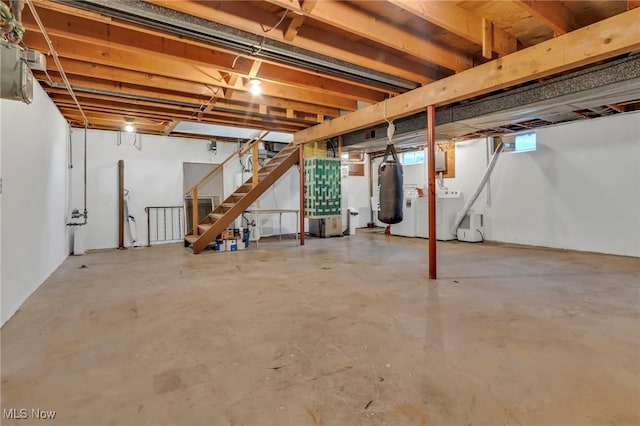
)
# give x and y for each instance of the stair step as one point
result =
(241, 199)
(191, 238)
(204, 227)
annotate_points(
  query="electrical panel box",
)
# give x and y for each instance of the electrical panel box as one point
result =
(35, 60)
(441, 161)
(16, 79)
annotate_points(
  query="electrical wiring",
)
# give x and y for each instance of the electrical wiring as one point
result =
(261, 45)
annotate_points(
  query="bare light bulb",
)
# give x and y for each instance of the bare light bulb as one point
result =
(255, 88)
(129, 128)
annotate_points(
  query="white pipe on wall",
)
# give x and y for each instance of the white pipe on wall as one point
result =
(460, 216)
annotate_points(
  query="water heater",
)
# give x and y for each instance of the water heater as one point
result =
(471, 228)
(16, 79)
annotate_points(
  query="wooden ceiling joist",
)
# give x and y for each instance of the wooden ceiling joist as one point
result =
(552, 13)
(211, 63)
(342, 15)
(459, 21)
(596, 42)
(316, 60)
(169, 127)
(159, 63)
(136, 31)
(181, 113)
(292, 27)
(244, 16)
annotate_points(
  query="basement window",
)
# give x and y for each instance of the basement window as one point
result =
(522, 142)
(413, 157)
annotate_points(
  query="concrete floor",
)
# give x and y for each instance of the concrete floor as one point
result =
(341, 332)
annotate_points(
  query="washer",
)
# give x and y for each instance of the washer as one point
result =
(448, 203)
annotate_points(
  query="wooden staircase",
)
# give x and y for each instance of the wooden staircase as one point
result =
(232, 207)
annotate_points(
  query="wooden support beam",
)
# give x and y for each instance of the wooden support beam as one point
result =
(290, 113)
(169, 127)
(233, 80)
(262, 109)
(448, 15)
(597, 42)
(487, 39)
(243, 16)
(164, 112)
(431, 179)
(124, 48)
(292, 28)
(551, 13)
(344, 16)
(254, 164)
(301, 183)
(121, 204)
(298, 19)
(308, 5)
(617, 108)
(255, 67)
(194, 208)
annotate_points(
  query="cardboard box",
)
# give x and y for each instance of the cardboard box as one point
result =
(227, 234)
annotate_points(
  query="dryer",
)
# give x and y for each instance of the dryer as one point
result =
(407, 228)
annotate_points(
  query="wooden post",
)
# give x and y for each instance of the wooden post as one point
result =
(301, 162)
(431, 179)
(121, 205)
(254, 153)
(194, 211)
(371, 192)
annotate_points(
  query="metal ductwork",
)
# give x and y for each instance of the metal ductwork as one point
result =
(16, 79)
(551, 101)
(194, 28)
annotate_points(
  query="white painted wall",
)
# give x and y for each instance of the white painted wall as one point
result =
(153, 174)
(357, 195)
(285, 194)
(579, 190)
(35, 181)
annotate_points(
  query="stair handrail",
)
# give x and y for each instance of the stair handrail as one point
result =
(253, 144)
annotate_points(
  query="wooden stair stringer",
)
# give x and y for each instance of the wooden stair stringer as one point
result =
(241, 205)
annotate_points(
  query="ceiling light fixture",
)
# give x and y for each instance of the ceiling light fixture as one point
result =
(129, 126)
(255, 88)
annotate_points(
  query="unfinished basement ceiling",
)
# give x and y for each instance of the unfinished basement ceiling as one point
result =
(162, 62)
(600, 90)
